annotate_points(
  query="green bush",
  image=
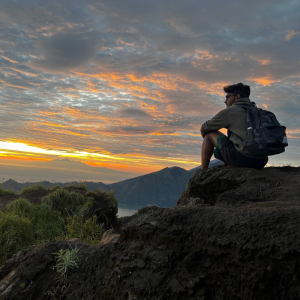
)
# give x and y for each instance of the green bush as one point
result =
(105, 206)
(30, 188)
(67, 203)
(88, 231)
(4, 192)
(15, 234)
(21, 207)
(110, 196)
(62, 214)
(47, 223)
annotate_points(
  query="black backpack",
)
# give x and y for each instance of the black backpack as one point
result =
(265, 136)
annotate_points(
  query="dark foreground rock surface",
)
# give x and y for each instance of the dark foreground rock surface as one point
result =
(235, 234)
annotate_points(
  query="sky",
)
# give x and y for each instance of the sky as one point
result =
(127, 84)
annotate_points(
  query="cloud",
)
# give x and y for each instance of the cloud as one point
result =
(66, 52)
(134, 113)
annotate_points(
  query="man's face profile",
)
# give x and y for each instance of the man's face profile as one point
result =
(230, 99)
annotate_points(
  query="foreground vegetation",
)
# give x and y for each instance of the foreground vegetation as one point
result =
(63, 214)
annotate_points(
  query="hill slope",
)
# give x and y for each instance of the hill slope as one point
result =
(161, 188)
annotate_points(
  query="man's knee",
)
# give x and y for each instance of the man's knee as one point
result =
(213, 137)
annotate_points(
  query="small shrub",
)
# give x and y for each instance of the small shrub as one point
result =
(67, 203)
(105, 206)
(15, 234)
(88, 231)
(46, 223)
(36, 187)
(110, 196)
(21, 207)
(4, 192)
(66, 260)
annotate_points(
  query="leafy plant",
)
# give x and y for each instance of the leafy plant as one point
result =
(66, 260)
(64, 201)
(28, 189)
(88, 231)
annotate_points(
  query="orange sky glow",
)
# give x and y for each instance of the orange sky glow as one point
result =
(127, 87)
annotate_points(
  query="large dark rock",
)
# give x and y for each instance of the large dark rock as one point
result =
(237, 186)
(234, 235)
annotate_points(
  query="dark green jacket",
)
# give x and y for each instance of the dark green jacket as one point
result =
(234, 118)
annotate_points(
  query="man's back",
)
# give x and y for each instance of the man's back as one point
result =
(231, 150)
(234, 118)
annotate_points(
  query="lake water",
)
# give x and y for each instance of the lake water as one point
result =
(124, 212)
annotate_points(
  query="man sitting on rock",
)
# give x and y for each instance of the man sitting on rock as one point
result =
(230, 149)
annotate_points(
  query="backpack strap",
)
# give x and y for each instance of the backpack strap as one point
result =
(228, 133)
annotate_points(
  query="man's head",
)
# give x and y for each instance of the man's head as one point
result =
(235, 92)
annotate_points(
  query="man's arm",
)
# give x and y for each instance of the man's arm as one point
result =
(220, 120)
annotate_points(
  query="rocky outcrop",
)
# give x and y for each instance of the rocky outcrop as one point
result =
(235, 234)
(237, 186)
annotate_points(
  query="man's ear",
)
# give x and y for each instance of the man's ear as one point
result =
(238, 96)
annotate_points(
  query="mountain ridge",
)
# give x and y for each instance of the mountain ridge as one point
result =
(161, 188)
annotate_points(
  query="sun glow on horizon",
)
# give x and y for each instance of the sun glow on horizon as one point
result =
(132, 162)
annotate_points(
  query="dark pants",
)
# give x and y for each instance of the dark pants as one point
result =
(226, 152)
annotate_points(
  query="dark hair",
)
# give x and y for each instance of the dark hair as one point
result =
(238, 89)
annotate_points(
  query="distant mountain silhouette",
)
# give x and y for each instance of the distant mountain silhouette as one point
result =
(18, 187)
(162, 188)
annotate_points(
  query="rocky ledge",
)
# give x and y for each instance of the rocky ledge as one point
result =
(235, 234)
